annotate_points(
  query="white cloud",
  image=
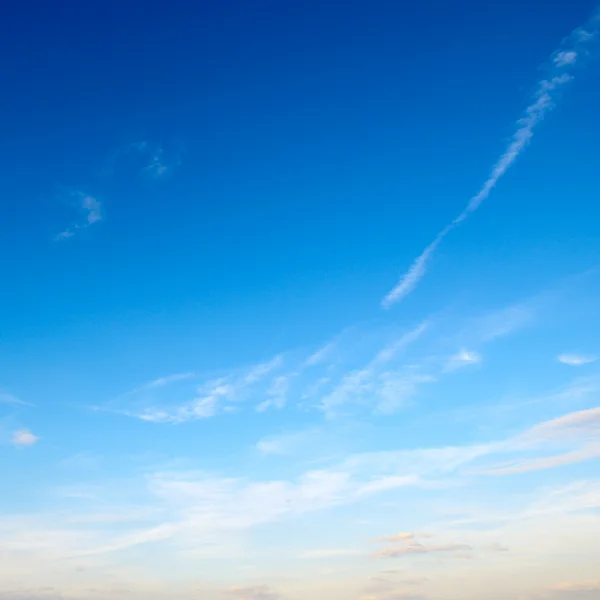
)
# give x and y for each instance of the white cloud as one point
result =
(6, 398)
(576, 586)
(406, 544)
(403, 536)
(147, 158)
(277, 393)
(157, 166)
(183, 397)
(195, 511)
(91, 209)
(543, 101)
(565, 58)
(162, 381)
(258, 372)
(579, 431)
(287, 442)
(576, 360)
(463, 358)
(504, 321)
(384, 388)
(320, 355)
(396, 552)
(254, 592)
(24, 437)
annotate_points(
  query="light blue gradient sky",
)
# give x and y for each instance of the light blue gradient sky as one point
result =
(300, 301)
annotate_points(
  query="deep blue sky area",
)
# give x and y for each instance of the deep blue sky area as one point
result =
(315, 141)
(299, 300)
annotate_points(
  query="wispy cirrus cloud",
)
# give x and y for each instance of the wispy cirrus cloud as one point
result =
(162, 381)
(576, 360)
(376, 370)
(11, 399)
(576, 586)
(200, 511)
(386, 388)
(396, 552)
(320, 355)
(253, 592)
(147, 158)
(185, 396)
(545, 95)
(577, 434)
(88, 206)
(407, 543)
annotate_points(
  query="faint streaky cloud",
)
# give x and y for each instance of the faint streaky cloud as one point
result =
(147, 158)
(162, 381)
(408, 338)
(576, 360)
(388, 388)
(506, 321)
(325, 553)
(184, 399)
(406, 544)
(6, 398)
(403, 536)
(549, 462)
(397, 552)
(277, 392)
(287, 443)
(580, 430)
(320, 355)
(393, 596)
(90, 208)
(254, 592)
(575, 425)
(259, 371)
(576, 586)
(24, 437)
(543, 101)
(159, 166)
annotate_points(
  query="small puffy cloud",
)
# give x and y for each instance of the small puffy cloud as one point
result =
(90, 208)
(463, 358)
(253, 592)
(405, 543)
(148, 158)
(400, 551)
(403, 536)
(24, 437)
(576, 360)
(577, 586)
(562, 59)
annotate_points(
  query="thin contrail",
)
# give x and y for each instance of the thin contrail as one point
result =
(562, 61)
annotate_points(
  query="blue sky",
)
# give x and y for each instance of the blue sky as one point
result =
(300, 301)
